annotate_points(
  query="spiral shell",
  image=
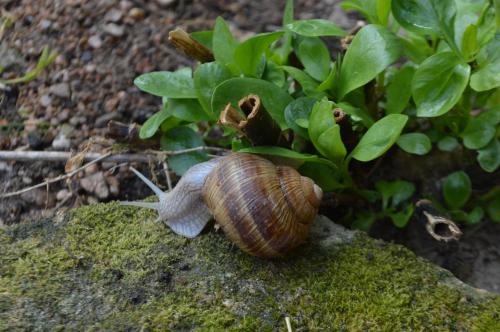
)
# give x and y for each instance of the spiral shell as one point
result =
(264, 209)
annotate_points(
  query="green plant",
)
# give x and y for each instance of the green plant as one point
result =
(419, 73)
(44, 61)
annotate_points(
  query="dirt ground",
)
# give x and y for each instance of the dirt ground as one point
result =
(102, 46)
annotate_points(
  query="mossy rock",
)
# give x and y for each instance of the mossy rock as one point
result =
(109, 267)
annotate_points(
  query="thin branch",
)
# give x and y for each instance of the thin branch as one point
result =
(56, 179)
(93, 157)
(127, 157)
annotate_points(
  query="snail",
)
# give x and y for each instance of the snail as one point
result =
(266, 210)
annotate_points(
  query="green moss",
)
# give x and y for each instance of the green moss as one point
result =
(108, 267)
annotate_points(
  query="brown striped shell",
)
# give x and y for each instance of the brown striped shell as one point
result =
(264, 209)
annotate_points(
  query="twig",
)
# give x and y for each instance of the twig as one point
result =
(127, 157)
(288, 324)
(56, 179)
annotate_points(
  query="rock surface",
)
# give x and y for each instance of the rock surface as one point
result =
(109, 267)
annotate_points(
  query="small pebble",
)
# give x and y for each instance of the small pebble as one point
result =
(45, 100)
(61, 142)
(63, 194)
(95, 41)
(114, 29)
(27, 180)
(113, 15)
(136, 13)
(61, 90)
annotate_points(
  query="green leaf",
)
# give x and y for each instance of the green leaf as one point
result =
(416, 47)
(273, 98)
(249, 54)
(186, 109)
(428, 17)
(331, 143)
(415, 143)
(372, 50)
(456, 189)
(489, 156)
(308, 84)
(274, 74)
(315, 28)
(357, 114)
(488, 75)
(394, 192)
(368, 8)
(324, 132)
(286, 153)
(478, 133)
(493, 209)
(447, 143)
(400, 219)
(315, 57)
(379, 137)
(475, 216)
(178, 139)
(322, 174)
(178, 84)
(363, 220)
(223, 42)
(297, 110)
(383, 10)
(150, 127)
(206, 78)
(203, 37)
(439, 83)
(469, 44)
(399, 90)
(282, 52)
(288, 13)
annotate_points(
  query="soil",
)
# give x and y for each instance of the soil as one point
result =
(102, 46)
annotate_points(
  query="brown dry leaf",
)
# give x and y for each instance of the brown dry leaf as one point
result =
(75, 161)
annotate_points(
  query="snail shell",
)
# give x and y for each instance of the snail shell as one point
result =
(266, 210)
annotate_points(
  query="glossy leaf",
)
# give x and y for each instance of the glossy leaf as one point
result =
(489, 156)
(331, 144)
(447, 143)
(324, 175)
(415, 47)
(308, 84)
(367, 8)
(372, 50)
(394, 192)
(273, 98)
(314, 55)
(469, 43)
(297, 110)
(456, 189)
(153, 123)
(488, 75)
(274, 74)
(400, 219)
(249, 54)
(357, 114)
(324, 132)
(203, 37)
(438, 84)
(206, 78)
(223, 42)
(475, 216)
(399, 91)
(427, 17)
(379, 137)
(478, 133)
(493, 209)
(282, 52)
(286, 153)
(180, 138)
(315, 28)
(187, 110)
(415, 143)
(178, 84)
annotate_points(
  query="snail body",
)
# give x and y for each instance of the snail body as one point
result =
(266, 210)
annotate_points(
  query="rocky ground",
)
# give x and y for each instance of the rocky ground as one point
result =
(102, 46)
